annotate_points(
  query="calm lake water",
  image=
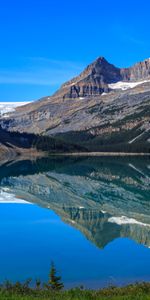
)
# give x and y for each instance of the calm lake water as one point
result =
(91, 216)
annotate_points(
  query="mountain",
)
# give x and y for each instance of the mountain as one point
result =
(105, 108)
(95, 79)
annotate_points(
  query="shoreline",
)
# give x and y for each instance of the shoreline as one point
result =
(22, 291)
(100, 154)
(17, 154)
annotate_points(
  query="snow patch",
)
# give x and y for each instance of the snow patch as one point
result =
(125, 220)
(137, 137)
(125, 85)
(6, 107)
(7, 198)
(73, 222)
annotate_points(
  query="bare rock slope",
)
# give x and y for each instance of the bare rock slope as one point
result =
(104, 108)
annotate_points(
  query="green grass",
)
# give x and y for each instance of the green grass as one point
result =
(139, 291)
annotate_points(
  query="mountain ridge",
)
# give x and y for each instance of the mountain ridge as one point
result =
(117, 119)
(97, 76)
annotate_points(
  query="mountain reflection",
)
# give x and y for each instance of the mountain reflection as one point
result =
(105, 198)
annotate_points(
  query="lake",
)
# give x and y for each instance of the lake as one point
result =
(89, 215)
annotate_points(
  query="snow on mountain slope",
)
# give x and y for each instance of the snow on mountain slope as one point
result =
(6, 107)
(7, 197)
(125, 85)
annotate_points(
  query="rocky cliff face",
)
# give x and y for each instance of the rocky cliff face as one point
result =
(139, 71)
(95, 79)
(92, 81)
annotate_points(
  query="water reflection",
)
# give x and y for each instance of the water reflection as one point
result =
(102, 197)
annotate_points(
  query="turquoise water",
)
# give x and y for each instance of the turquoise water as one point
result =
(91, 216)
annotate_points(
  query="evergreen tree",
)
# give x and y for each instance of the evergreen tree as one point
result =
(54, 280)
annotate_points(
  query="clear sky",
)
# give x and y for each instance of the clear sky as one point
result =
(46, 42)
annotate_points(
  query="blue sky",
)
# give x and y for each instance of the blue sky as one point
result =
(46, 42)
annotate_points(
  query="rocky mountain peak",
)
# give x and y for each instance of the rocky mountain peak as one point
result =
(101, 67)
(97, 76)
(92, 81)
(99, 61)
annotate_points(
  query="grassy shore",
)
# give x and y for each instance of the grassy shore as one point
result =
(139, 291)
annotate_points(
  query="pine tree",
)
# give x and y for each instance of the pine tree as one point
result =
(54, 280)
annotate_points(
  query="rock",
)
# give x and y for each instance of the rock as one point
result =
(95, 78)
(92, 81)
